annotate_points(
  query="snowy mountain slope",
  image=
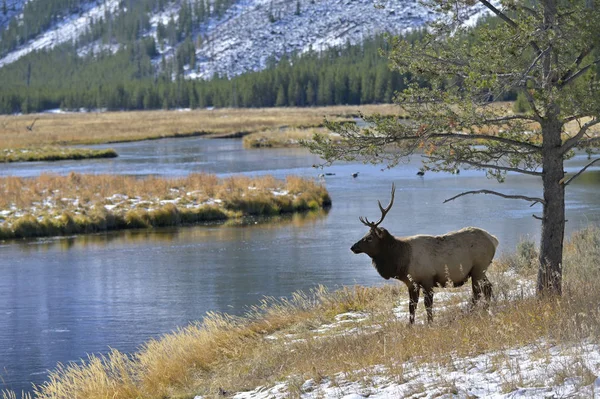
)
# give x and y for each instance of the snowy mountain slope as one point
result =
(13, 8)
(66, 30)
(251, 31)
(245, 38)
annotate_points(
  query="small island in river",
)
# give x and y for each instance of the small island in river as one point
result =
(51, 205)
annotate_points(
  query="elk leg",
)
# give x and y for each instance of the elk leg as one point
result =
(476, 283)
(487, 289)
(428, 292)
(482, 288)
(413, 294)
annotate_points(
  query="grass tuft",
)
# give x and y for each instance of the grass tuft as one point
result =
(52, 153)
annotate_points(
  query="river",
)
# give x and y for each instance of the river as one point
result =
(62, 298)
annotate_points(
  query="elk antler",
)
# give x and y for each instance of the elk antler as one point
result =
(384, 212)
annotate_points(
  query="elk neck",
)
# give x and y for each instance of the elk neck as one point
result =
(393, 259)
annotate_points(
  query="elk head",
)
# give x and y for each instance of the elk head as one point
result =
(371, 242)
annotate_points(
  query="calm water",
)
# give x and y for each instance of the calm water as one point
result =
(62, 298)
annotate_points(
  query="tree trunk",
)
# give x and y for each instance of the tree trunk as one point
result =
(549, 279)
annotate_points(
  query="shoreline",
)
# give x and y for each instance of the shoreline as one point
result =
(53, 205)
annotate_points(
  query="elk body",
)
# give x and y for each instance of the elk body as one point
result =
(423, 262)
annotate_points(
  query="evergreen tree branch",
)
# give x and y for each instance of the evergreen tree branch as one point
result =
(580, 172)
(483, 137)
(535, 200)
(509, 21)
(481, 165)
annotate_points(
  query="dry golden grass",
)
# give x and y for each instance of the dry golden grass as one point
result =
(93, 128)
(56, 205)
(275, 138)
(240, 353)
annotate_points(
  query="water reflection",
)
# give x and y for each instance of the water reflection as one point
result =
(165, 235)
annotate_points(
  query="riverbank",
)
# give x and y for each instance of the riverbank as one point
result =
(52, 205)
(43, 137)
(356, 343)
(35, 154)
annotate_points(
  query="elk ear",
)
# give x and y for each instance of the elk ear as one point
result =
(379, 232)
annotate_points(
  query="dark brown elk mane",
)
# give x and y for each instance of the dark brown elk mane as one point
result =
(388, 264)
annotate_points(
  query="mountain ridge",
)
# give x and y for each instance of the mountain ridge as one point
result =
(244, 37)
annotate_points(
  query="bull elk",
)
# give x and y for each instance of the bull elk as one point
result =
(423, 261)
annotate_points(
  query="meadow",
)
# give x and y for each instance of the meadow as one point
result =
(357, 340)
(46, 137)
(51, 205)
(111, 127)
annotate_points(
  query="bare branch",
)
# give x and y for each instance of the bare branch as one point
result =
(499, 13)
(573, 117)
(509, 118)
(579, 73)
(580, 172)
(575, 140)
(535, 61)
(577, 62)
(537, 217)
(535, 200)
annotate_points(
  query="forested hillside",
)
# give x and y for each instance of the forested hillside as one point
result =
(352, 74)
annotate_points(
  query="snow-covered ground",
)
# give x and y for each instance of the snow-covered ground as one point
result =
(517, 373)
(536, 371)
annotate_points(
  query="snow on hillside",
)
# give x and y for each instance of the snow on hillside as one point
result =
(251, 31)
(13, 7)
(66, 30)
(245, 38)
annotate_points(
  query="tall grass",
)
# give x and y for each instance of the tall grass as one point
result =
(74, 204)
(94, 128)
(302, 338)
